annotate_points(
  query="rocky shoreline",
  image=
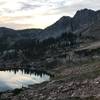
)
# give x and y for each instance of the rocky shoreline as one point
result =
(69, 83)
(58, 90)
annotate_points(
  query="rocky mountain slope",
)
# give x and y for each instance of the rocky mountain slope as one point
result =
(82, 21)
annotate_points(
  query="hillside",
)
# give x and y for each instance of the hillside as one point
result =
(68, 50)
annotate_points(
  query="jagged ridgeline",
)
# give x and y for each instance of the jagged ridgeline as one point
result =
(66, 32)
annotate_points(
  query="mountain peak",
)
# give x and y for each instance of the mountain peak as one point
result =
(85, 9)
(84, 12)
(65, 17)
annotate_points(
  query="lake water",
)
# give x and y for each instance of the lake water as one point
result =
(12, 79)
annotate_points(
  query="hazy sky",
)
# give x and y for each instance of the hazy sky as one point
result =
(20, 14)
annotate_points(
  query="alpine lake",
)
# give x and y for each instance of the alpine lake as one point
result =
(18, 78)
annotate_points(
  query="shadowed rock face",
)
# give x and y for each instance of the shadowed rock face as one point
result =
(84, 18)
(93, 30)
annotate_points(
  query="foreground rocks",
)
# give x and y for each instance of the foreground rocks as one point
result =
(58, 90)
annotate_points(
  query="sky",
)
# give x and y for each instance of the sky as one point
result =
(22, 14)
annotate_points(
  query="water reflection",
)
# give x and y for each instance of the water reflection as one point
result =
(11, 79)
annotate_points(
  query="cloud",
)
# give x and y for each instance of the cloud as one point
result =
(26, 6)
(40, 13)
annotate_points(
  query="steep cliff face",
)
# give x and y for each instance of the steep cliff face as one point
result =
(92, 31)
(84, 18)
